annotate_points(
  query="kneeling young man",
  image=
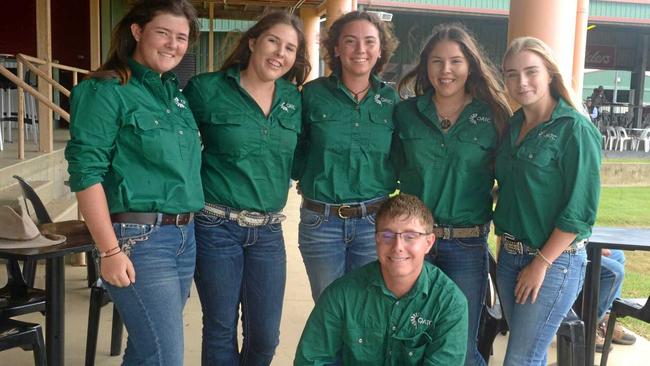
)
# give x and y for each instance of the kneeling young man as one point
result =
(399, 310)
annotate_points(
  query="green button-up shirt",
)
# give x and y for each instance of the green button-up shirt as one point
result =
(138, 140)
(343, 153)
(248, 156)
(551, 180)
(451, 172)
(360, 318)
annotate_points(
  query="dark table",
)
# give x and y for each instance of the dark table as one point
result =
(54, 288)
(610, 238)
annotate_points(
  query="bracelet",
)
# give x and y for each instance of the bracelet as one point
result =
(541, 256)
(108, 252)
(112, 254)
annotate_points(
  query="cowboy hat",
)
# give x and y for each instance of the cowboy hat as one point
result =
(19, 231)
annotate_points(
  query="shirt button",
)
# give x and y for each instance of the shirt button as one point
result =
(475, 138)
(410, 354)
(155, 122)
(168, 111)
(397, 303)
(390, 353)
(360, 340)
(324, 116)
(443, 145)
(530, 156)
(356, 124)
(394, 328)
(180, 132)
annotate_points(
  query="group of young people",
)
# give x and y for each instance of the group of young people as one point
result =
(176, 186)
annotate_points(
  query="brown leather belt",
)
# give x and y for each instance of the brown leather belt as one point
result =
(150, 218)
(449, 232)
(513, 245)
(354, 211)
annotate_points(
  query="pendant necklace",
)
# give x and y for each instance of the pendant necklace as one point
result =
(356, 95)
(445, 122)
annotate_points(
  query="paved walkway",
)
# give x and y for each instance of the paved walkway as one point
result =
(297, 306)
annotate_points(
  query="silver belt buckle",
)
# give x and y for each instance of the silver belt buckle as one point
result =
(250, 219)
(446, 232)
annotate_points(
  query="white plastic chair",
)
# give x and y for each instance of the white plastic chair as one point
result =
(645, 139)
(622, 138)
(612, 138)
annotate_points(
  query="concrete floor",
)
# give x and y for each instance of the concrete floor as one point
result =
(297, 306)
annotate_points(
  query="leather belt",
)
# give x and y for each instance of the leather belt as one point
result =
(243, 218)
(450, 232)
(151, 218)
(353, 211)
(514, 246)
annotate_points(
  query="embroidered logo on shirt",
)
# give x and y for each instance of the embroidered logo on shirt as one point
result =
(547, 135)
(475, 119)
(287, 106)
(381, 100)
(180, 103)
(417, 319)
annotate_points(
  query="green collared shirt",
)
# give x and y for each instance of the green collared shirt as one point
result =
(360, 318)
(451, 172)
(247, 156)
(139, 140)
(551, 180)
(343, 153)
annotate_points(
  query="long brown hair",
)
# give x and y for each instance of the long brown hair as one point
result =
(123, 44)
(557, 87)
(482, 82)
(241, 54)
(387, 40)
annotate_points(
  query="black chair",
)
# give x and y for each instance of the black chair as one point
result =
(28, 336)
(571, 345)
(493, 320)
(98, 298)
(620, 309)
(16, 297)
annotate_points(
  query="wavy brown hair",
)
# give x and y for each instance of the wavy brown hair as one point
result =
(122, 41)
(557, 88)
(387, 40)
(483, 81)
(241, 54)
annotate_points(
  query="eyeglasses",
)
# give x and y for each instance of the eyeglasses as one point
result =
(388, 236)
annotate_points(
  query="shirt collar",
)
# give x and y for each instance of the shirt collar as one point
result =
(562, 109)
(376, 83)
(144, 74)
(421, 286)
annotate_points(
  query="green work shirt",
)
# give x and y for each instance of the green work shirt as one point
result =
(360, 318)
(451, 172)
(551, 180)
(343, 153)
(139, 140)
(247, 156)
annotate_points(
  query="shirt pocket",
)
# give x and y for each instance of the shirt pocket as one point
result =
(189, 141)
(289, 128)
(155, 137)
(475, 148)
(412, 349)
(381, 130)
(537, 156)
(330, 131)
(227, 134)
(421, 147)
(364, 345)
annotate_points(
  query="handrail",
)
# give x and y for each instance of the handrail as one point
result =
(20, 58)
(55, 65)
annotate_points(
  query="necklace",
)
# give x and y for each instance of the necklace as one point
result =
(445, 122)
(357, 94)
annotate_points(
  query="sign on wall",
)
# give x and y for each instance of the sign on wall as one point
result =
(600, 57)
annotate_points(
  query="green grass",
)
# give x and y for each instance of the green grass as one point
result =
(624, 160)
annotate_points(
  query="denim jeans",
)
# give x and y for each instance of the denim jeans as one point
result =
(532, 326)
(152, 306)
(612, 273)
(465, 261)
(331, 246)
(239, 266)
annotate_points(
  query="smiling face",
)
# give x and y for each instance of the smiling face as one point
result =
(161, 43)
(447, 69)
(402, 260)
(358, 48)
(527, 79)
(273, 53)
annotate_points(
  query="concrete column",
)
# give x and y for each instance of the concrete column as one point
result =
(552, 21)
(211, 39)
(336, 8)
(638, 80)
(44, 52)
(311, 21)
(95, 35)
(580, 47)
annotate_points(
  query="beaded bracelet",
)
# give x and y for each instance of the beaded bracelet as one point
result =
(108, 252)
(542, 257)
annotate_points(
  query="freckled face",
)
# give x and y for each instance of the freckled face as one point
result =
(527, 78)
(161, 43)
(358, 48)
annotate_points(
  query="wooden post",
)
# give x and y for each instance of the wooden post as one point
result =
(21, 112)
(95, 38)
(311, 21)
(580, 47)
(44, 51)
(211, 39)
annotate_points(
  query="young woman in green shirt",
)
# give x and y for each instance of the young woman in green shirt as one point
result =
(134, 162)
(447, 137)
(249, 116)
(342, 160)
(548, 170)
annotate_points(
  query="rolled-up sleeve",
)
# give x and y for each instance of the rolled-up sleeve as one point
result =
(580, 166)
(94, 125)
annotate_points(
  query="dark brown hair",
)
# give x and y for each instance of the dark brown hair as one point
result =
(241, 54)
(123, 44)
(483, 81)
(387, 40)
(405, 206)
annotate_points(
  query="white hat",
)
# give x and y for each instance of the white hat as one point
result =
(19, 231)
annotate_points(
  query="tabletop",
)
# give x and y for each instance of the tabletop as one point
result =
(620, 238)
(73, 244)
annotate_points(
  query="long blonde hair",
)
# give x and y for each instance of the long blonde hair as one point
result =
(558, 87)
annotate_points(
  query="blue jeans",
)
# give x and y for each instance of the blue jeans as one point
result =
(465, 261)
(152, 306)
(331, 246)
(239, 266)
(532, 326)
(612, 273)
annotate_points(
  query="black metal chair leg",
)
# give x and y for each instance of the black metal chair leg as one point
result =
(609, 334)
(29, 272)
(38, 348)
(116, 333)
(94, 311)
